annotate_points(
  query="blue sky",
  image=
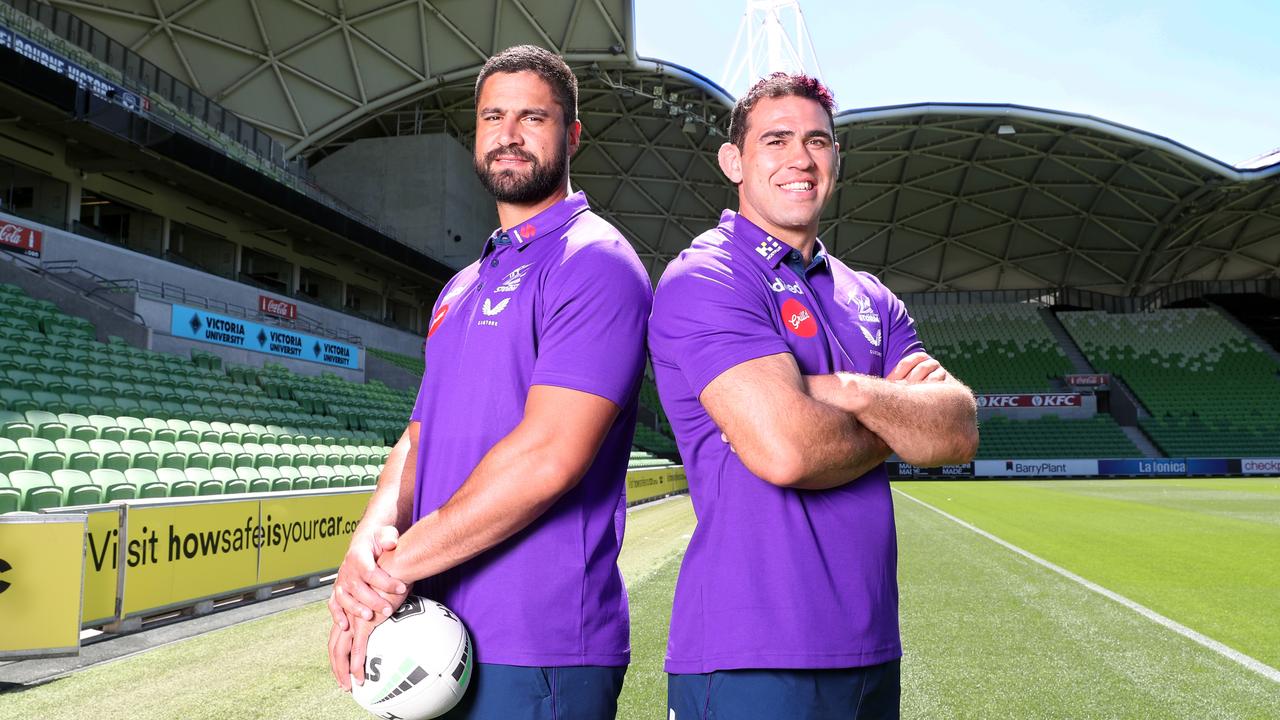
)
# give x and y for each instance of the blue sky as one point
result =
(1205, 74)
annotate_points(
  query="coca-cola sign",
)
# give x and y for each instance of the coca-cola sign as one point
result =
(1040, 400)
(20, 238)
(279, 308)
(1096, 380)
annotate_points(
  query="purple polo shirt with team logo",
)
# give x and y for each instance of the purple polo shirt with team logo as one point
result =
(560, 300)
(774, 577)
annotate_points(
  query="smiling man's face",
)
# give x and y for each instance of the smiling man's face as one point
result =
(786, 167)
(523, 142)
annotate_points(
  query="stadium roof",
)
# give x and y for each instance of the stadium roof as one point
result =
(931, 196)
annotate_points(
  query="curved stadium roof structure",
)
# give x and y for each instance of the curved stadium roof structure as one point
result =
(931, 197)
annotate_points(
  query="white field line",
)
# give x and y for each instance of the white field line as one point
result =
(1257, 666)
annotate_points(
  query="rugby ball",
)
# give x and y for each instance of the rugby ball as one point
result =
(418, 663)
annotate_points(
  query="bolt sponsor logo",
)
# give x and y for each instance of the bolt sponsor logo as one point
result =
(439, 318)
(779, 286)
(527, 231)
(768, 248)
(512, 281)
(798, 319)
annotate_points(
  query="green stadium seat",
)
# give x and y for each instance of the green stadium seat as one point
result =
(108, 428)
(160, 429)
(78, 426)
(46, 425)
(279, 483)
(80, 456)
(111, 455)
(194, 455)
(77, 487)
(114, 484)
(140, 454)
(39, 492)
(257, 483)
(205, 482)
(10, 497)
(176, 482)
(168, 454)
(42, 455)
(231, 482)
(135, 428)
(17, 400)
(11, 456)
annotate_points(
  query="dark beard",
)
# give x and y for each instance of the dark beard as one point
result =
(506, 187)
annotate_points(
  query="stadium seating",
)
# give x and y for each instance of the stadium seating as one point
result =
(87, 422)
(993, 348)
(1052, 437)
(1211, 390)
(413, 364)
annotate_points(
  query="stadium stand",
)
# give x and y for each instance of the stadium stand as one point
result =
(993, 348)
(1052, 437)
(1210, 390)
(405, 362)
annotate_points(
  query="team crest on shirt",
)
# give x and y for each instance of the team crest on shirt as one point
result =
(866, 312)
(768, 248)
(798, 319)
(512, 281)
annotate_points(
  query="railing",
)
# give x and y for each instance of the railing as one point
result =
(51, 269)
(177, 293)
(1048, 297)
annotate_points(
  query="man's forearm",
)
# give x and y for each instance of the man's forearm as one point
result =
(392, 500)
(513, 485)
(860, 450)
(926, 424)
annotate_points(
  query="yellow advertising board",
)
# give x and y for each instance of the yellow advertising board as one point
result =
(101, 564)
(307, 535)
(177, 553)
(655, 482)
(41, 567)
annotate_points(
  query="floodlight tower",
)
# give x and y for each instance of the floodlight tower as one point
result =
(772, 36)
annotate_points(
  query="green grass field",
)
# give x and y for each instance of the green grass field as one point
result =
(988, 633)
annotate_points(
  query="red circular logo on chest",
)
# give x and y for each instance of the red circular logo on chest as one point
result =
(798, 319)
(435, 321)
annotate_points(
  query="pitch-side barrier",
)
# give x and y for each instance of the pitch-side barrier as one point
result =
(117, 566)
(1090, 468)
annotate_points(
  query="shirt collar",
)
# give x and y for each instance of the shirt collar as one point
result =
(541, 225)
(773, 251)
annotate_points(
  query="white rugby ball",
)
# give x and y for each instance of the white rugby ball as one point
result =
(418, 663)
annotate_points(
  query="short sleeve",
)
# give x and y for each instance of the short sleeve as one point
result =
(419, 404)
(595, 309)
(704, 322)
(902, 339)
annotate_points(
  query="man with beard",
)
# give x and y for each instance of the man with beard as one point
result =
(505, 498)
(788, 378)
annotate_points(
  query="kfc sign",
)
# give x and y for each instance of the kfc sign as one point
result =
(20, 239)
(1042, 400)
(279, 308)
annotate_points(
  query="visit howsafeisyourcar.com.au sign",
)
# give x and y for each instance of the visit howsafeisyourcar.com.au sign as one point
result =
(196, 324)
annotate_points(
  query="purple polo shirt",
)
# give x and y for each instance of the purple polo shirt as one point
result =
(773, 577)
(560, 300)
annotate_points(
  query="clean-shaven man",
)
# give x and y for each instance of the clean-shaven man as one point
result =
(505, 498)
(788, 379)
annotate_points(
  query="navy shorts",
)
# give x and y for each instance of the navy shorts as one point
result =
(511, 692)
(868, 693)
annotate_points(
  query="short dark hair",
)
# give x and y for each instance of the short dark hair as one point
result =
(543, 63)
(776, 85)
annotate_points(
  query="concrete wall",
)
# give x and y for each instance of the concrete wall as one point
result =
(423, 186)
(117, 263)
